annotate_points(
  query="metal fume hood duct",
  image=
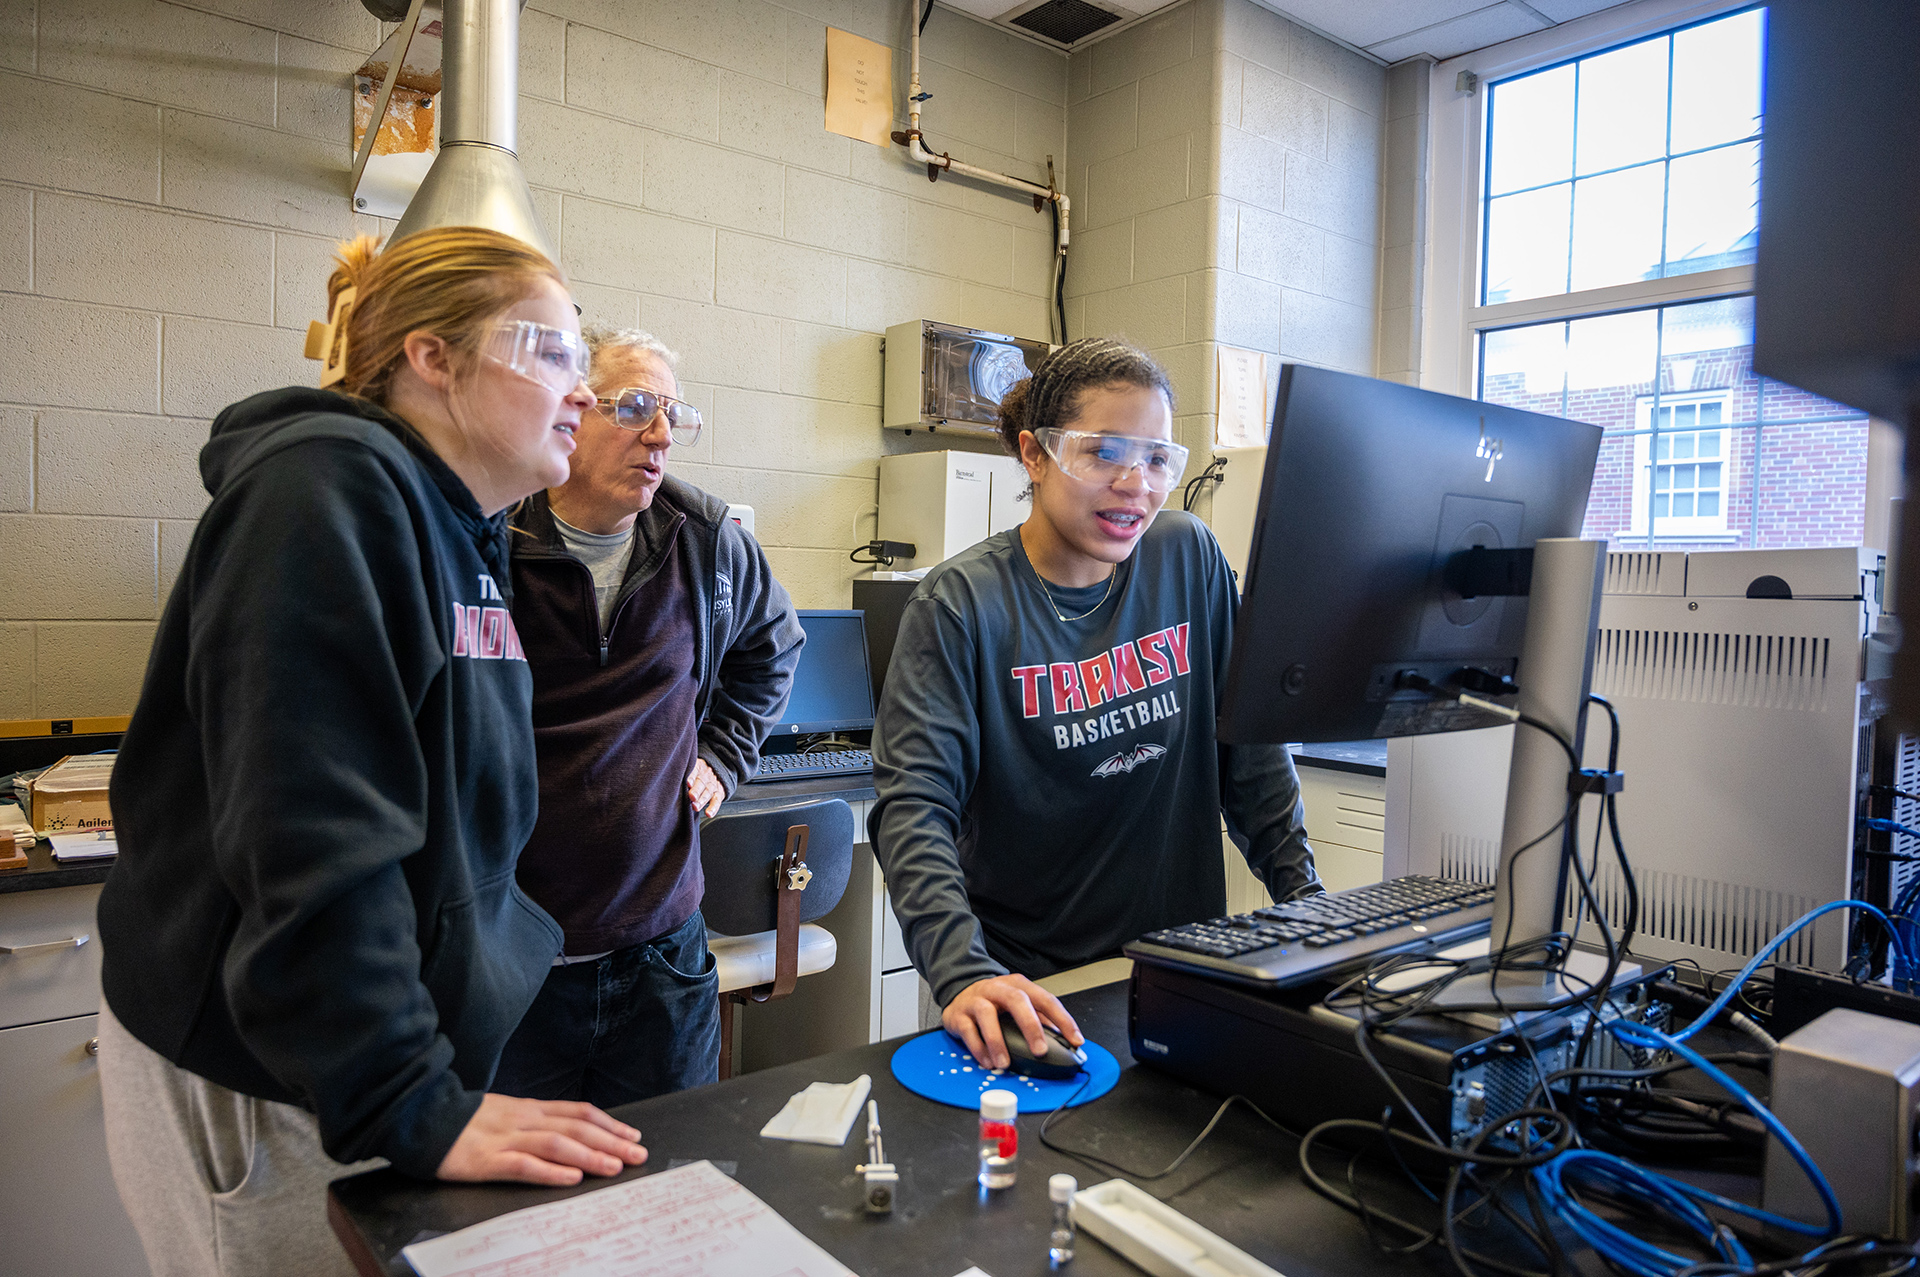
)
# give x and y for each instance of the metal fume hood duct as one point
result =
(476, 179)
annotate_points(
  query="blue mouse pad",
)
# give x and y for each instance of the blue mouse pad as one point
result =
(937, 1066)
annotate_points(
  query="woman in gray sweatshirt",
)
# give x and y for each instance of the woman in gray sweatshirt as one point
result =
(1049, 783)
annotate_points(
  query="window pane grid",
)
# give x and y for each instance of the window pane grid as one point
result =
(1677, 155)
(1543, 134)
(1698, 452)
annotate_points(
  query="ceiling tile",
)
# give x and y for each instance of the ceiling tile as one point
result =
(1476, 30)
(1364, 22)
(988, 9)
(1567, 10)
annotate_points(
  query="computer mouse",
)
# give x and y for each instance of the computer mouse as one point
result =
(1060, 1062)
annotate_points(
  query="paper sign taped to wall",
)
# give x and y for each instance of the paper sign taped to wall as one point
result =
(859, 88)
(1242, 419)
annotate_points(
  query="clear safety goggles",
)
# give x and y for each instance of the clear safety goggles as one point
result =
(554, 357)
(1106, 459)
(635, 409)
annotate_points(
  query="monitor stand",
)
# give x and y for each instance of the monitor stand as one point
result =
(1556, 674)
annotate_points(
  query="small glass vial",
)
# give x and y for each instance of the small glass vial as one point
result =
(1060, 1188)
(999, 1138)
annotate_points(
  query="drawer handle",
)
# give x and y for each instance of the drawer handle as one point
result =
(71, 942)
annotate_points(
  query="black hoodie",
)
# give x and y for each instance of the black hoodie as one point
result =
(325, 787)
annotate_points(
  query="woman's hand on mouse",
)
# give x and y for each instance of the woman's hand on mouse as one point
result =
(974, 1017)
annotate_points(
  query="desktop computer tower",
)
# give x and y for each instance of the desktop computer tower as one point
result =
(1746, 729)
(1298, 1061)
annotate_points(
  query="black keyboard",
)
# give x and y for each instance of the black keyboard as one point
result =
(825, 762)
(1325, 936)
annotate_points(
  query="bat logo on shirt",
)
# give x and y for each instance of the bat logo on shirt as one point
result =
(1128, 759)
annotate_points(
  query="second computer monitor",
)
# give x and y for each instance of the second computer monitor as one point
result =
(831, 690)
(1371, 487)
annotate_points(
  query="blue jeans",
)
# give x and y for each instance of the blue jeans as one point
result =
(640, 1022)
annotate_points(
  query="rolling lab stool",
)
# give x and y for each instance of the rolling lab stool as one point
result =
(769, 874)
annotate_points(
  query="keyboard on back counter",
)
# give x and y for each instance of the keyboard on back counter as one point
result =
(824, 762)
(1326, 936)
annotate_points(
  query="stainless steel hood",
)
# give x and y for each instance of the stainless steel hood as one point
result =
(476, 179)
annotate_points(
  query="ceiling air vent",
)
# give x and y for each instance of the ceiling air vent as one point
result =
(1066, 21)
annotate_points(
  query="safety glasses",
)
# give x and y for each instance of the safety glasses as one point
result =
(554, 357)
(634, 409)
(1106, 459)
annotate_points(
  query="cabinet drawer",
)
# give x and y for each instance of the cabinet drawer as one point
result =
(59, 1212)
(1345, 807)
(62, 979)
(1343, 867)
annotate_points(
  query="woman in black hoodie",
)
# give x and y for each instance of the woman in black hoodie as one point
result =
(313, 945)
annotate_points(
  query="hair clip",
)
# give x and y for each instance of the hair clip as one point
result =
(327, 341)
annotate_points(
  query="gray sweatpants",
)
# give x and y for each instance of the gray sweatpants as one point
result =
(218, 1184)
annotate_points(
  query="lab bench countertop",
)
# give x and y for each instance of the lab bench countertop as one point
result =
(43, 871)
(1241, 1183)
(1363, 757)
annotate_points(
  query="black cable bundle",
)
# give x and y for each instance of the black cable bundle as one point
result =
(1532, 1136)
(1215, 473)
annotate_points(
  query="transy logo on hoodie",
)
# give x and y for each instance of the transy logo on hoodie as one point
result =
(1150, 664)
(484, 633)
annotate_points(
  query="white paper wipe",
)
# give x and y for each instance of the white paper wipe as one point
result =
(821, 1114)
(690, 1222)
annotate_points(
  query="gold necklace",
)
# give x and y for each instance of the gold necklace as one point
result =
(1056, 607)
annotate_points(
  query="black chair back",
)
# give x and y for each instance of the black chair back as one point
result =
(740, 852)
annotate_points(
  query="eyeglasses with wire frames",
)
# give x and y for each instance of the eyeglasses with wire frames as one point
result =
(634, 409)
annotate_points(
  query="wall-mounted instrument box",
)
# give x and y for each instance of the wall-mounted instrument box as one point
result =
(943, 502)
(946, 377)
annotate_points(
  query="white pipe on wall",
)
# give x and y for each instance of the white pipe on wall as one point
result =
(911, 139)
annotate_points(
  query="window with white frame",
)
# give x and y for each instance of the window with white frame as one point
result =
(1595, 196)
(1680, 466)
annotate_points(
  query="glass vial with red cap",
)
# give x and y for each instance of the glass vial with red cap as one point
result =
(999, 1138)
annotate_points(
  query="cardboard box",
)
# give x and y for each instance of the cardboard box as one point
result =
(71, 795)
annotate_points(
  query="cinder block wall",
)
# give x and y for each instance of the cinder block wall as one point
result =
(1301, 142)
(1229, 165)
(172, 183)
(1139, 126)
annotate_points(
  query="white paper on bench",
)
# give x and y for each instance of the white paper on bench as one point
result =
(690, 1222)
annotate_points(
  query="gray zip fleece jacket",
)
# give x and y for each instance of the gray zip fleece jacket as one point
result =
(1049, 790)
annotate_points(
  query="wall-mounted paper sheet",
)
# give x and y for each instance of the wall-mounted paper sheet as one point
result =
(859, 88)
(690, 1222)
(1243, 399)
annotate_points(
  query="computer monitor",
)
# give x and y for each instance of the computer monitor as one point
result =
(831, 691)
(1408, 541)
(1371, 489)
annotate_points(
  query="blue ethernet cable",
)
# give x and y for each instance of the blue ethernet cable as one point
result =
(1683, 1203)
(1890, 827)
(1901, 956)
